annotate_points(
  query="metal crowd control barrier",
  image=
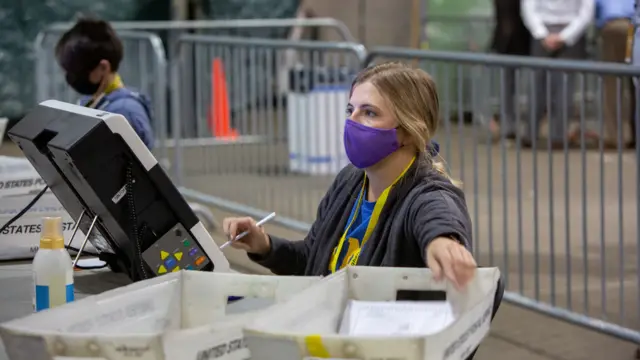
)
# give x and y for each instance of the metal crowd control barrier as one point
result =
(221, 27)
(559, 218)
(559, 214)
(340, 27)
(278, 91)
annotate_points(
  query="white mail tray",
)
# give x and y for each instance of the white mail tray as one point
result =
(310, 325)
(182, 315)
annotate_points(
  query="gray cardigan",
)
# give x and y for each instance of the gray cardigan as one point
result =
(422, 206)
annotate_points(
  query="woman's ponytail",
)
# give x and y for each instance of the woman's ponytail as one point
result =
(433, 154)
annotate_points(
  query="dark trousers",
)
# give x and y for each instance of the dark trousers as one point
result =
(633, 119)
(507, 92)
(554, 95)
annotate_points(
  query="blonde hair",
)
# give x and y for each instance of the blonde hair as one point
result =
(414, 101)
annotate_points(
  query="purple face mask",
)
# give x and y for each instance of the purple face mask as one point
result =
(366, 146)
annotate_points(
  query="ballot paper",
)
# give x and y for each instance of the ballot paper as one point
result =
(3, 127)
(91, 262)
(396, 318)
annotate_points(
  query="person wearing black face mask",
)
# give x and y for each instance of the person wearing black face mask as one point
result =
(90, 54)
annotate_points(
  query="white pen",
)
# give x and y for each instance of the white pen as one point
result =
(245, 233)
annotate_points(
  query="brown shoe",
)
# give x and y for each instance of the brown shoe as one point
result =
(574, 135)
(495, 130)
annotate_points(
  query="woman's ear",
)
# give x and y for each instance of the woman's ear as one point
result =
(403, 137)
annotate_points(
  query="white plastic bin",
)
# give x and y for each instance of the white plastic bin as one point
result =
(307, 325)
(13, 164)
(317, 100)
(17, 179)
(19, 184)
(315, 130)
(183, 315)
(21, 239)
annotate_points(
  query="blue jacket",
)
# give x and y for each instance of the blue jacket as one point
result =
(607, 10)
(134, 106)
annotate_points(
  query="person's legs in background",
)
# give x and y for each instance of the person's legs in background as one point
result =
(503, 123)
(613, 49)
(632, 112)
(559, 104)
(559, 108)
(538, 96)
(560, 128)
(508, 106)
(510, 37)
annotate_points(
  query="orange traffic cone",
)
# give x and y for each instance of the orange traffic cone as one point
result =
(219, 113)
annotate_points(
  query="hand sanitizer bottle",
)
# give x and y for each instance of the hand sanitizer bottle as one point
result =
(52, 268)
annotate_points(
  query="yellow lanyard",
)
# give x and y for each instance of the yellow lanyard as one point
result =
(114, 85)
(375, 215)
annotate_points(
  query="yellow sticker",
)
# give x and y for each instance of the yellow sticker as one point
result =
(315, 346)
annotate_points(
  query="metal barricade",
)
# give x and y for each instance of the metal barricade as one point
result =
(247, 27)
(143, 67)
(560, 218)
(283, 142)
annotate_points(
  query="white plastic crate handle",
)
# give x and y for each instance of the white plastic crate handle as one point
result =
(28, 347)
(224, 285)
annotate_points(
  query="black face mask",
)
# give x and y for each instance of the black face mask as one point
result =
(81, 84)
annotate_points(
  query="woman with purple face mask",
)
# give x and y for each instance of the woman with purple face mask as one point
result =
(394, 206)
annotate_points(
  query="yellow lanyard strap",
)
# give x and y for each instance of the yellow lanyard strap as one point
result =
(375, 216)
(114, 85)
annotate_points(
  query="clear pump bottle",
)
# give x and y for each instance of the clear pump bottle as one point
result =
(52, 268)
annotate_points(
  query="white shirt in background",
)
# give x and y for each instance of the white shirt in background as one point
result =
(576, 14)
